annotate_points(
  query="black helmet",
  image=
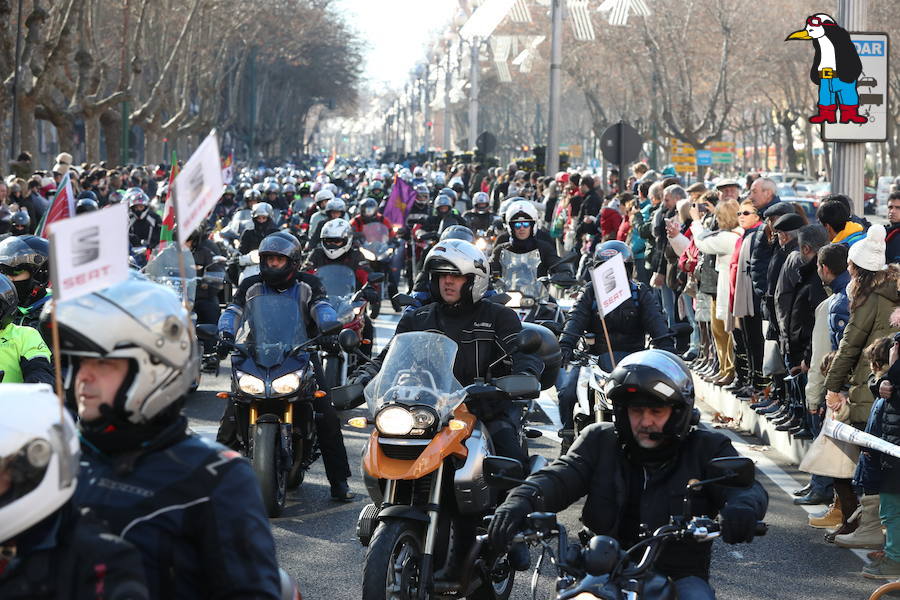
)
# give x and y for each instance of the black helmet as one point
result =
(26, 253)
(283, 244)
(86, 204)
(9, 301)
(368, 208)
(609, 249)
(458, 232)
(653, 378)
(20, 222)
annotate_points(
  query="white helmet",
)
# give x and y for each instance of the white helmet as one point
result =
(39, 449)
(335, 204)
(520, 210)
(143, 322)
(263, 209)
(336, 235)
(462, 258)
(324, 194)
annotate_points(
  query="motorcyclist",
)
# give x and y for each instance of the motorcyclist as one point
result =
(50, 548)
(422, 203)
(368, 213)
(336, 248)
(629, 325)
(279, 262)
(634, 472)
(206, 297)
(521, 222)
(26, 261)
(144, 225)
(224, 209)
(191, 507)
(334, 209)
(19, 223)
(263, 225)
(479, 218)
(86, 202)
(272, 195)
(316, 212)
(444, 214)
(24, 357)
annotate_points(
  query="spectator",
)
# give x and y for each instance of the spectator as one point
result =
(835, 217)
(892, 240)
(706, 276)
(833, 272)
(728, 189)
(807, 295)
(786, 229)
(667, 210)
(62, 166)
(611, 218)
(744, 308)
(4, 194)
(22, 167)
(888, 567)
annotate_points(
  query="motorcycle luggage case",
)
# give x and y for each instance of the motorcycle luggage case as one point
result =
(548, 352)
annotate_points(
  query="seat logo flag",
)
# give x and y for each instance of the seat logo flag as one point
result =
(400, 202)
(198, 187)
(228, 169)
(63, 206)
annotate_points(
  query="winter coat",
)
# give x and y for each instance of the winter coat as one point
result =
(838, 308)
(890, 432)
(820, 345)
(744, 301)
(801, 319)
(892, 244)
(776, 272)
(786, 283)
(720, 244)
(761, 254)
(867, 323)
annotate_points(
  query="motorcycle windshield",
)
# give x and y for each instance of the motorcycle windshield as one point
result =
(520, 274)
(340, 285)
(163, 269)
(417, 370)
(271, 328)
(376, 232)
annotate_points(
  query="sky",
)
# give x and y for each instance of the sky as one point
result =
(396, 33)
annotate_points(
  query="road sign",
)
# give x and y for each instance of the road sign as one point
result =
(872, 87)
(704, 158)
(722, 152)
(575, 151)
(609, 143)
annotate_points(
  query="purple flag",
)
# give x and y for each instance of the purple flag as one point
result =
(400, 202)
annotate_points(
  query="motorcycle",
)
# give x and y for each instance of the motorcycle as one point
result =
(592, 405)
(378, 250)
(598, 567)
(273, 386)
(484, 241)
(340, 286)
(529, 294)
(426, 451)
(421, 242)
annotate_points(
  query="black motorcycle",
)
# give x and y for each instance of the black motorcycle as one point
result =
(598, 567)
(273, 387)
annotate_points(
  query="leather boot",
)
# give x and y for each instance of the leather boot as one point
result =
(724, 380)
(849, 114)
(868, 534)
(849, 504)
(831, 518)
(826, 114)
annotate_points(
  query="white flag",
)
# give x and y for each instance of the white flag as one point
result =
(611, 286)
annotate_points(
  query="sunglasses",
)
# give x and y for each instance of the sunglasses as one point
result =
(521, 224)
(817, 22)
(747, 213)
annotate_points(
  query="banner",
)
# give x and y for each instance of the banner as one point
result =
(63, 206)
(400, 202)
(89, 252)
(611, 287)
(198, 187)
(846, 433)
(228, 169)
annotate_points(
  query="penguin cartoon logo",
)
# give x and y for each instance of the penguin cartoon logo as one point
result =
(835, 68)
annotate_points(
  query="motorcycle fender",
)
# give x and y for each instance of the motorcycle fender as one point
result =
(446, 443)
(582, 404)
(472, 492)
(402, 511)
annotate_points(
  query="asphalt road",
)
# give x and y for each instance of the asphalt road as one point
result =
(317, 542)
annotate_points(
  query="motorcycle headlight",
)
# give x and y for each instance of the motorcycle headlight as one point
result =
(423, 418)
(286, 384)
(251, 385)
(515, 299)
(394, 420)
(368, 254)
(526, 302)
(481, 243)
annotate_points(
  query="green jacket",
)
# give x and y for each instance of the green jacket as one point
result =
(24, 357)
(868, 323)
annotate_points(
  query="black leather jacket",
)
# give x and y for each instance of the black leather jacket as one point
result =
(628, 324)
(621, 493)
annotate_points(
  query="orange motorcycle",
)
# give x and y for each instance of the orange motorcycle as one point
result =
(423, 468)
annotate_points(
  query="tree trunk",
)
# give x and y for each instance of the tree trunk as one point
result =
(790, 151)
(152, 146)
(65, 130)
(91, 137)
(111, 124)
(27, 128)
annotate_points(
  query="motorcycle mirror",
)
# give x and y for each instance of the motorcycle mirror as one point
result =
(376, 277)
(405, 300)
(590, 339)
(348, 340)
(730, 471)
(519, 386)
(345, 397)
(501, 472)
(602, 555)
(529, 341)
(498, 298)
(219, 259)
(571, 257)
(331, 328)
(207, 332)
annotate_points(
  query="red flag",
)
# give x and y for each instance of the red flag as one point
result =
(168, 225)
(63, 206)
(329, 166)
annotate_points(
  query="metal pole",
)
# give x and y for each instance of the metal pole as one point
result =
(552, 154)
(473, 94)
(447, 79)
(849, 164)
(428, 124)
(13, 151)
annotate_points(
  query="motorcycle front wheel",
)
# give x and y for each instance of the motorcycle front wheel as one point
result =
(499, 582)
(266, 464)
(393, 560)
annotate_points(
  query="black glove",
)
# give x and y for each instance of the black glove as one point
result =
(371, 295)
(224, 344)
(330, 343)
(485, 410)
(360, 377)
(738, 524)
(508, 519)
(566, 354)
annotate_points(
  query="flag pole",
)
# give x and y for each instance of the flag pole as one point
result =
(612, 358)
(56, 354)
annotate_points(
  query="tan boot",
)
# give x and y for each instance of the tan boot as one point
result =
(868, 534)
(833, 517)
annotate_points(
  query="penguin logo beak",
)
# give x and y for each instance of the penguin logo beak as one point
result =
(799, 35)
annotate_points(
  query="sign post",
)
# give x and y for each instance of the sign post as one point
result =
(611, 288)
